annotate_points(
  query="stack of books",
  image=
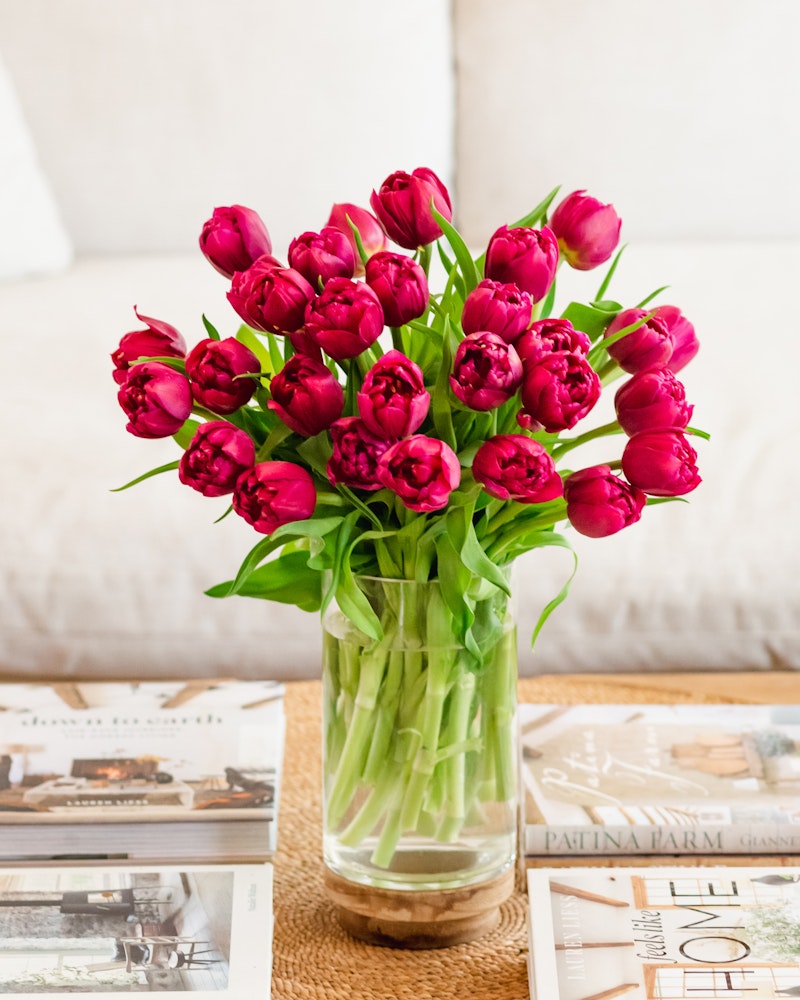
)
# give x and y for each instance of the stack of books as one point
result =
(138, 822)
(660, 845)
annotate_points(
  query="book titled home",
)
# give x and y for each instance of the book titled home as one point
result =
(689, 780)
(140, 771)
(106, 930)
(646, 933)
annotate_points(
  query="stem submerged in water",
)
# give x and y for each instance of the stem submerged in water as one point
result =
(419, 732)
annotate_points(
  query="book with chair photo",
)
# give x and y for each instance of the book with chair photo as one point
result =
(158, 771)
(107, 930)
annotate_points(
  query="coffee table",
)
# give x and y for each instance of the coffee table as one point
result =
(314, 958)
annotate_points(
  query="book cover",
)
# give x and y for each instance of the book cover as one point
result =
(664, 932)
(113, 766)
(111, 930)
(660, 779)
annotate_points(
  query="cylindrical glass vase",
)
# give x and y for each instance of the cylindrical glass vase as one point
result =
(419, 752)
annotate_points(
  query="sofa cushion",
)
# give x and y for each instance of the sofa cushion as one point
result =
(34, 239)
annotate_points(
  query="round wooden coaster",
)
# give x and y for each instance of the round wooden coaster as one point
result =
(400, 918)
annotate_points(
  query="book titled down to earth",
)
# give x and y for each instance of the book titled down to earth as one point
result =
(155, 770)
(689, 780)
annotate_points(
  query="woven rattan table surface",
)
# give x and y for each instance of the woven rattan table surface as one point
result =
(314, 958)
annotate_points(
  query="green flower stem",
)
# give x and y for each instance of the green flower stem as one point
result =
(454, 766)
(501, 700)
(359, 732)
(385, 718)
(564, 446)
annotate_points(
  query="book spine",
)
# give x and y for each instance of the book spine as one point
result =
(754, 839)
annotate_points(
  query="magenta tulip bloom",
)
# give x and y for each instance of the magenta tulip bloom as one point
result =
(156, 399)
(356, 453)
(515, 467)
(370, 231)
(586, 229)
(403, 207)
(158, 340)
(486, 371)
(645, 347)
(344, 319)
(548, 335)
(684, 340)
(661, 463)
(393, 400)
(322, 256)
(558, 391)
(269, 297)
(652, 400)
(219, 371)
(217, 455)
(233, 239)
(524, 257)
(400, 284)
(600, 503)
(306, 395)
(422, 471)
(498, 307)
(274, 493)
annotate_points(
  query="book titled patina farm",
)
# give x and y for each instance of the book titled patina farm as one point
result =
(647, 933)
(690, 780)
(157, 770)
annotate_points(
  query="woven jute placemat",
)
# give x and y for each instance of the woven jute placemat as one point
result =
(315, 958)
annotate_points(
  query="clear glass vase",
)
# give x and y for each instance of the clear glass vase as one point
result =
(419, 752)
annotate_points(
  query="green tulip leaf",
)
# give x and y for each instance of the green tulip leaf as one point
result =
(169, 467)
(462, 253)
(211, 330)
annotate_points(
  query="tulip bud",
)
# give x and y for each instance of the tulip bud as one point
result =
(233, 239)
(600, 503)
(393, 401)
(486, 371)
(159, 340)
(344, 319)
(356, 452)
(306, 395)
(422, 471)
(661, 463)
(269, 297)
(547, 336)
(156, 399)
(515, 467)
(587, 230)
(403, 207)
(558, 391)
(218, 370)
(322, 256)
(652, 400)
(524, 257)
(274, 493)
(400, 284)
(684, 340)
(645, 347)
(217, 455)
(499, 308)
(370, 231)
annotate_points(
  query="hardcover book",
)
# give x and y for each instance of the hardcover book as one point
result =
(692, 780)
(110, 930)
(151, 770)
(663, 932)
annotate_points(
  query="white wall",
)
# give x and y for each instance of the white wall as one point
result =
(148, 113)
(683, 114)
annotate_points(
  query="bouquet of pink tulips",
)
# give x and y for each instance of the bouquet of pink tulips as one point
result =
(367, 425)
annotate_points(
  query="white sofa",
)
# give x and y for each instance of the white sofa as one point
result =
(100, 583)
